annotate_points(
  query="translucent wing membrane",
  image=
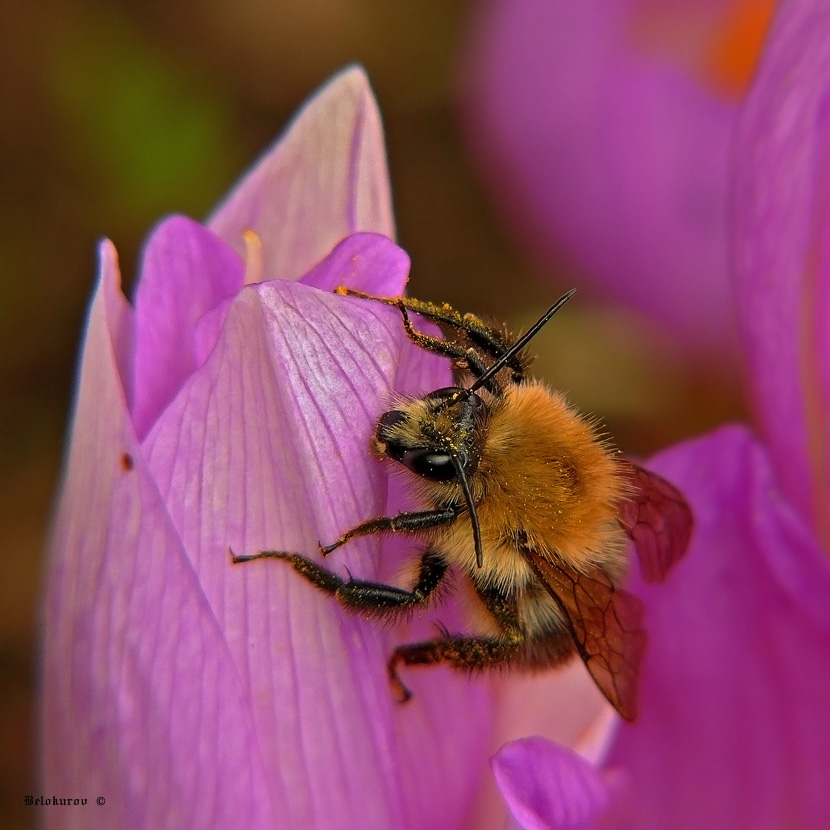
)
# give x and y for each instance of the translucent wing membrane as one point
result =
(658, 520)
(606, 626)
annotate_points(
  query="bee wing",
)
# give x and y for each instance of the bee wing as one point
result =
(605, 625)
(658, 520)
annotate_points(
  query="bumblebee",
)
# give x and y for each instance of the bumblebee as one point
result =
(522, 495)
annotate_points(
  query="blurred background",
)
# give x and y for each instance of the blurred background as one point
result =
(116, 113)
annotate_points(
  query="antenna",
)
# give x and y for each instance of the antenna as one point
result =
(521, 342)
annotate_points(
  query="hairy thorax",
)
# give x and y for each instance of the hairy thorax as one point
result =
(546, 482)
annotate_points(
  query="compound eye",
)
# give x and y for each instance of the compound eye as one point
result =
(436, 466)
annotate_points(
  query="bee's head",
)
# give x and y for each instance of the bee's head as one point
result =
(436, 436)
(439, 438)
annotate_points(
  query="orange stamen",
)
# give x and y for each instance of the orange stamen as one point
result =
(736, 45)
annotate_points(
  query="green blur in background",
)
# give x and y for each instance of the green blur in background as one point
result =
(115, 114)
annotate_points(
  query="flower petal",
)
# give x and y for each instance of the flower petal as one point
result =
(603, 150)
(186, 272)
(141, 701)
(734, 730)
(533, 704)
(782, 252)
(365, 262)
(325, 179)
(277, 458)
(548, 786)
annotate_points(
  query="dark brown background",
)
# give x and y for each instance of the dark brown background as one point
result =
(115, 113)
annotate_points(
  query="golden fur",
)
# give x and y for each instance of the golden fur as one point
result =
(546, 480)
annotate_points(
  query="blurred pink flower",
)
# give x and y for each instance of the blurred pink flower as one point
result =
(604, 128)
(735, 730)
(232, 405)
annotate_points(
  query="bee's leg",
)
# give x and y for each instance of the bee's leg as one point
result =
(490, 339)
(403, 522)
(462, 356)
(371, 598)
(444, 314)
(468, 653)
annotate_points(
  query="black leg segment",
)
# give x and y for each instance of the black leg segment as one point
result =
(484, 336)
(466, 653)
(463, 357)
(403, 522)
(373, 599)
(378, 600)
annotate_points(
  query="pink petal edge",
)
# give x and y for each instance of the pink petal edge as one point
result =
(547, 786)
(323, 180)
(732, 693)
(782, 260)
(186, 271)
(130, 645)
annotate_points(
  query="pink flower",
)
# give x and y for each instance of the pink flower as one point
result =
(231, 406)
(734, 729)
(604, 128)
